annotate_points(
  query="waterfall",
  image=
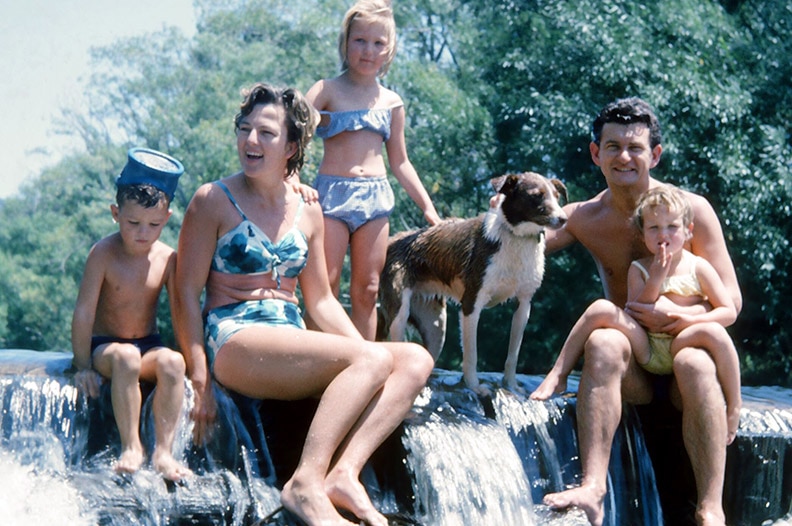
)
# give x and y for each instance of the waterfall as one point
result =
(458, 459)
(501, 456)
(56, 452)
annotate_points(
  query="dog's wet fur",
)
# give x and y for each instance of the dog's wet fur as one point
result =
(477, 262)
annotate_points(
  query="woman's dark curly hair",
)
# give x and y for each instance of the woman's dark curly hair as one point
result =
(301, 117)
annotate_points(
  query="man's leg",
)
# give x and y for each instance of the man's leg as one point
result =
(700, 397)
(608, 371)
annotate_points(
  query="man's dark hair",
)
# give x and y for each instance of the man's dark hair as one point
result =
(628, 111)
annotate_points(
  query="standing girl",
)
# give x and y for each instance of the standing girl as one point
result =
(358, 115)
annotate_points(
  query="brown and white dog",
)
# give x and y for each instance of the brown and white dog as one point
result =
(478, 262)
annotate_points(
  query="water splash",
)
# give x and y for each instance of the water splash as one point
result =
(488, 487)
(34, 496)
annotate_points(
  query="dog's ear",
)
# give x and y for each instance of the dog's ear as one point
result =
(497, 182)
(504, 183)
(561, 189)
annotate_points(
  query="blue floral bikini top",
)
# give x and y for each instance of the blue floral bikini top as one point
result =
(246, 249)
(377, 120)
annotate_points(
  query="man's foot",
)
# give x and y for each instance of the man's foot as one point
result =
(129, 461)
(347, 493)
(582, 497)
(549, 386)
(310, 504)
(169, 467)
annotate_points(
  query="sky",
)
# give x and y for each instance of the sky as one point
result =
(44, 67)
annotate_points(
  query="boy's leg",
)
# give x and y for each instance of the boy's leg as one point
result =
(167, 368)
(714, 339)
(120, 362)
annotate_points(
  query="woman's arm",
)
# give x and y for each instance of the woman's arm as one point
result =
(320, 302)
(197, 242)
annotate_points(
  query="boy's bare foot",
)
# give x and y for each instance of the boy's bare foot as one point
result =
(169, 467)
(311, 504)
(583, 497)
(550, 385)
(129, 461)
(732, 422)
(346, 492)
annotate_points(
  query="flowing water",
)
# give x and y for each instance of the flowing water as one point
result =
(458, 460)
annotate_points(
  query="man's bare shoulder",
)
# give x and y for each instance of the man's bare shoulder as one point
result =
(702, 208)
(582, 214)
(579, 216)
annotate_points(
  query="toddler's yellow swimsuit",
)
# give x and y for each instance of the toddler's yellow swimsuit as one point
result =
(661, 361)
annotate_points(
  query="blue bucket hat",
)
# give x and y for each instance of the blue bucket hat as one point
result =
(145, 166)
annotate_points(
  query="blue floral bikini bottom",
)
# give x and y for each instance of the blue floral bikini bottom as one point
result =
(223, 322)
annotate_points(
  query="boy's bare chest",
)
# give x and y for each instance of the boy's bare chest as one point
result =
(136, 282)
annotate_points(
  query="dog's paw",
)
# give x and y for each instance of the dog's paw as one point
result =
(510, 383)
(481, 390)
(515, 388)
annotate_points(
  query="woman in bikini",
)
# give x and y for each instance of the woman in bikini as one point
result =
(358, 116)
(248, 240)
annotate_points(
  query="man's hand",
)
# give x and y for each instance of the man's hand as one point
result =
(663, 316)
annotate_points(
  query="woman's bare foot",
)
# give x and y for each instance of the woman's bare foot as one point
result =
(550, 385)
(129, 461)
(169, 467)
(732, 422)
(583, 497)
(346, 492)
(311, 504)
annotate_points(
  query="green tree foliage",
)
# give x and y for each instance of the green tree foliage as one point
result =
(489, 88)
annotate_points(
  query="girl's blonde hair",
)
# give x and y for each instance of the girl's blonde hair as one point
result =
(665, 195)
(370, 11)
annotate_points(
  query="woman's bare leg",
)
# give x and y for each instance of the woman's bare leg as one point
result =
(294, 364)
(412, 366)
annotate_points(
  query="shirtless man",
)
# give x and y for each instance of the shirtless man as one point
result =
(626, 146)
(114, 326)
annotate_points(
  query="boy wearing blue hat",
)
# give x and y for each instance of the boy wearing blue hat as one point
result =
(114, 326)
